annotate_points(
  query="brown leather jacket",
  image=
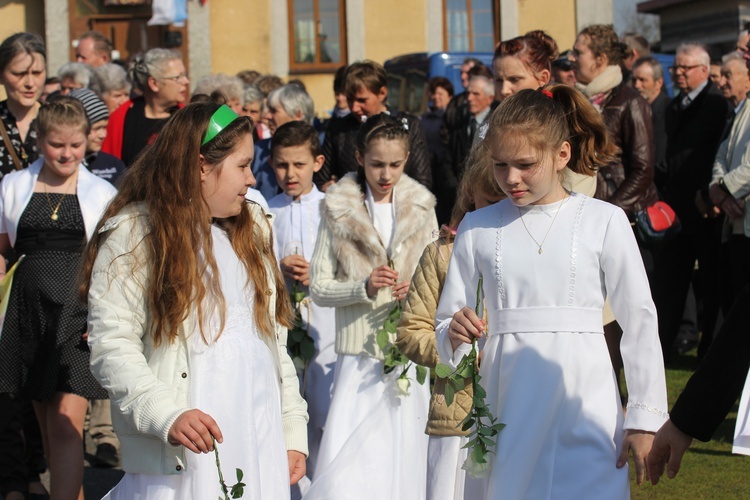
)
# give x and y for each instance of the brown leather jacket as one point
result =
(628, 181)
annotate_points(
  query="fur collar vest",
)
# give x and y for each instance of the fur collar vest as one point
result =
(355, 240)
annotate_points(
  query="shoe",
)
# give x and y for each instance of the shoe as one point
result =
(106, 456)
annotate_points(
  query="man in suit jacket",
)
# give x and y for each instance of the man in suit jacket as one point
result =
(694, 123)
(479, 96)
(709, 394)
(648, 80)
(730, 184)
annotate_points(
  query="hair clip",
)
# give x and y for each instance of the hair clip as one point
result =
(447, 229)
(547, 93)
(405, 123)
(219, 121)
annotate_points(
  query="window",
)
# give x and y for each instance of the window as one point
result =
(317, 35)
(470, 25)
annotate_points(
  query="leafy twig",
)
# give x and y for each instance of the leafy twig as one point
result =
(482, 437)
(300, 344)
(238, 489)
(394, 358)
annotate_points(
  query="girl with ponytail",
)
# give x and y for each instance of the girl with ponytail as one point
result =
(548, 259)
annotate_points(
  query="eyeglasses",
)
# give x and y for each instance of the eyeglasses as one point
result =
(177, 78)
(684, 69)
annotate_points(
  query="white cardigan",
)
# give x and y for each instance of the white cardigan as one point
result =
(149, 385)
(16, 189)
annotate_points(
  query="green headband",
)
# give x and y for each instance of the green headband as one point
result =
(221, 118)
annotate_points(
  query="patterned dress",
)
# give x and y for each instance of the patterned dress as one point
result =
(42, 350)
(26, 150)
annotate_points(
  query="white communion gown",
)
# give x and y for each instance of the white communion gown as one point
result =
(235, 381)
(545, 364)
(374, 446)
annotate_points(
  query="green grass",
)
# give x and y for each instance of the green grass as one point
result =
(709, 470)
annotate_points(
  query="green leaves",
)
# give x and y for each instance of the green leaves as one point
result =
(443, 371)
(393, 357)
(300, 344)
(480, 421)
(238, 489)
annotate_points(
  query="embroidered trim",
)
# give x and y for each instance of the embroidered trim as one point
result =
(574, 252)
(650, 409)
(499, 258)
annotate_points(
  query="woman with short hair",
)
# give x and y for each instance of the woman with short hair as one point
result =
(115, 85)
(160, 75)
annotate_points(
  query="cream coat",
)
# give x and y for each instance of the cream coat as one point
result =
(348, 249)
(148, 385)
(732, 163)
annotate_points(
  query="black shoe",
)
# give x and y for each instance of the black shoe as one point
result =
(106, 456)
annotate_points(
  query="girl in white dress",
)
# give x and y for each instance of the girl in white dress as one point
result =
(186, 330)
(548, 259)
(374, 445)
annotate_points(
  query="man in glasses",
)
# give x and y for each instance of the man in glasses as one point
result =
(694, 120)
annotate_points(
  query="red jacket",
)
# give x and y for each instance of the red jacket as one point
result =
(115, 128)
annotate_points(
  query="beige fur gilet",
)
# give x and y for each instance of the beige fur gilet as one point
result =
(349, 248)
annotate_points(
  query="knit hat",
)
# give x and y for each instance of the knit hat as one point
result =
(96, 110)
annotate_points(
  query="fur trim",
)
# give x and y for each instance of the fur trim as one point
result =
(356, 242)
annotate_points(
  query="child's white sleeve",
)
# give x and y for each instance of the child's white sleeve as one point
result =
(460, 290)
(630, 296)
(118, 329)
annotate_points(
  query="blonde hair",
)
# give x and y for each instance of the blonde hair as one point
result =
(549, 117)
(478, 177)
(63, 111)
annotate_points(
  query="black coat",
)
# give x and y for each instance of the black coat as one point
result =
(339, 147)
(658, 115)
(714, 388)
(693, 137)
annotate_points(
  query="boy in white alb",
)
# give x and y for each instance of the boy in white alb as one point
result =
(295, 157)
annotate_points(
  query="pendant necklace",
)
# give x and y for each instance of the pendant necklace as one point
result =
(54, 215)
(548, 230)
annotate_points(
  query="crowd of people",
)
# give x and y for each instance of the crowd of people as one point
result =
(220, 270)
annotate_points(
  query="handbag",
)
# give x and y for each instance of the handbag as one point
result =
(16, 162)
(657, 223)
(5, 287)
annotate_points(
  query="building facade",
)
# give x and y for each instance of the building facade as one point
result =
(303, 39)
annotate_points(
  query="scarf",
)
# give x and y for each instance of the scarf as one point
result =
(600, 87)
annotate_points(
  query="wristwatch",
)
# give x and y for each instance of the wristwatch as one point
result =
(724, 187)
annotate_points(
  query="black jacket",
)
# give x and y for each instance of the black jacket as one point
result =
(693, 137)
(339, 147)
(658, 113)
(714, 388)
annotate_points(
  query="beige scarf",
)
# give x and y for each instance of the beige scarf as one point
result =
(599, 88)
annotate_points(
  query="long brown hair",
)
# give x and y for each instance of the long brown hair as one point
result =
(549, 117)
(166, 178)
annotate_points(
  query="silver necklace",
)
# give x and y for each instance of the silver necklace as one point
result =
(520, 214)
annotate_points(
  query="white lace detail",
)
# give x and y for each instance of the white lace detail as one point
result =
(238, 320)
(650, 409)
(574, 252)
(499, 259)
